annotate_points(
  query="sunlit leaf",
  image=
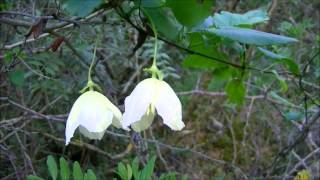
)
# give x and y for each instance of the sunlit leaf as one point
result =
(249, 36)
(225, 19)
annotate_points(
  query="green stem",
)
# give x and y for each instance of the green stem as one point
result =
(154, 63)
(92, 64)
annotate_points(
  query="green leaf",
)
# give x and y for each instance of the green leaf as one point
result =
(135, 168)
(220, 77)
(17, 77)
(271, 54)
(165, 24)
(184, 177)
(89, 175)
(293, 116)
(236, 91)
(64, 169)
(82, 7)
(52, 167)
(8, 57)
(283, 84)
(168, 176)
(122, 172)
(129, 172)
(227, 19)
(77, 172)
(149, 3)
(249, 36)
(288, 62)
(32, 177)
(148, 169)
(196, 61)
(199, 44)
(280, 99)
(190, 12)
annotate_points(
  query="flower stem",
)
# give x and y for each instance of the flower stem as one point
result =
(92, 64)
(154, 69)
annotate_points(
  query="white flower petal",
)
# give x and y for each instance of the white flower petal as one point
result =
(72, 123)
(146, 120)
(168, 106)
(92, 112)
(138, 101)
(117, 115)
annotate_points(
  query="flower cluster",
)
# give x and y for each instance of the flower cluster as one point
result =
(93, 113)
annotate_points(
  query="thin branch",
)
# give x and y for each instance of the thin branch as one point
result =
(89, 146)
(159, 151)
(300, 138)
(51, 28)
(30, 111)
(303, 161)
(223, 94)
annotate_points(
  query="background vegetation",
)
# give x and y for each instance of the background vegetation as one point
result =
(250, 100)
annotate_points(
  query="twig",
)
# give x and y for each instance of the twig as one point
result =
(159, 151)
(223, 94)
(234, 141)
(243, 142)
(134, 76)
(11, 159)
(13, 132)
(32, 70)
(300, 138)
(214, 94)
(52, 28)
(23, 149)
(89, 146)
(31, 111)
(59, 118)
(302, 161)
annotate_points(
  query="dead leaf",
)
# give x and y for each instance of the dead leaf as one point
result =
(37, 28)
(56, 43)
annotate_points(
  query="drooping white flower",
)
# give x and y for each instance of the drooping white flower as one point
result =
(92, 113)
(149, 95)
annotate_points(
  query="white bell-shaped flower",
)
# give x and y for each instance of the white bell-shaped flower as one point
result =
(92, 113)
(149, 95)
